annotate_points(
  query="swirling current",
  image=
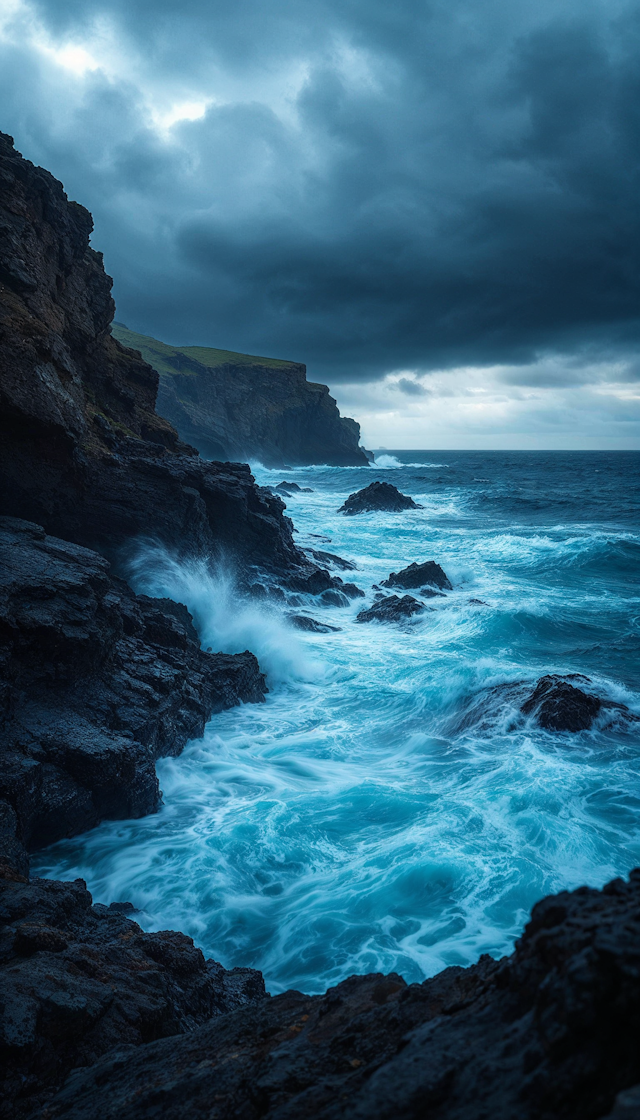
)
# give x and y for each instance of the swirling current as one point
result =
(385, 809)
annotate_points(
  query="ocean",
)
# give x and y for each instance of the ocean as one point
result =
(385, 809)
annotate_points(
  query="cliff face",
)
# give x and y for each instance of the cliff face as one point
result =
(82, 451)
(235, 406)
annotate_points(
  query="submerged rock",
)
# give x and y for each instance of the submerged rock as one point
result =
(292, 488)
(305, 622)
(332, 560)
(559, 705)
(424, 575)
(550, 1031)
(79, 981)
(378, 496)
(391, 608)
(97, 684)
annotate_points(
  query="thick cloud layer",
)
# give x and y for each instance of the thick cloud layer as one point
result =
(365, 186)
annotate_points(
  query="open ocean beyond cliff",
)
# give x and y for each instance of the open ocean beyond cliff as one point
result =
(382, 811)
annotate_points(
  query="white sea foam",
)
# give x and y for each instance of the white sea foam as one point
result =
(356, 821)
(226, 621)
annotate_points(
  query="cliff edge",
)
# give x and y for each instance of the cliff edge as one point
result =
(83, 452)
(235, 406)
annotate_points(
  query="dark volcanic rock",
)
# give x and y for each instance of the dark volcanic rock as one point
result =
(79, 980)
(549, 1033)
(391, 608)
(420, 575)
(293, 488)
(304, 622)
(332, 560)
(234, 406)
(570, 708)
(378, 496)
(559, 705)
(82, 450)
(97, 683)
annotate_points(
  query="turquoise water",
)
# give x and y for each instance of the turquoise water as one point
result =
(380, 811)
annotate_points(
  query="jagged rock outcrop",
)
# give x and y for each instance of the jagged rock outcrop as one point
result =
(82, 451)
(97, 683)
(378, 496)
(391, 608)
(428, 574)
(234, 406)
(80, 980)
(559, 705)
(549, 1033)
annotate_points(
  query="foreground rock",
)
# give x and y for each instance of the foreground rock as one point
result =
(378, 496)
(427, 575)
(559, 705)
(549, 1032)
(97, 683)
(237, 406)
(82, 449)
(80, 980)
(391, 608)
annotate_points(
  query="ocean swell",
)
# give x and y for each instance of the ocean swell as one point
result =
(388, 808)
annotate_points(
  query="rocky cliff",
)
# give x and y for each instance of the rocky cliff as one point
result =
(82, 450)
(233, 406)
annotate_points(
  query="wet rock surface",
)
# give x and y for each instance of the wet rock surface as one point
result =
(311, 625)
(391, 608)
(97, 683)
(416, 576)
(329, 559)
(292, 488)
(378, 496)
(564, 702)
(549, 1032)
(79, 980)
(558, 704)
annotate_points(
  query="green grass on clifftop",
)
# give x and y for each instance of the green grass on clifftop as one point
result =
(163, 357)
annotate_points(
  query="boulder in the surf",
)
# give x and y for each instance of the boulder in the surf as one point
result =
(391, 608)
(380, 496)
(292, 488)
(311, 625)
(427, 575)
(557, 704)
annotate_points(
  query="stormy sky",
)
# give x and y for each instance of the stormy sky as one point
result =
(433, 203)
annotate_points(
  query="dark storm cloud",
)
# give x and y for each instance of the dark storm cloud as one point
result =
(411, 388)
(373, 187)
